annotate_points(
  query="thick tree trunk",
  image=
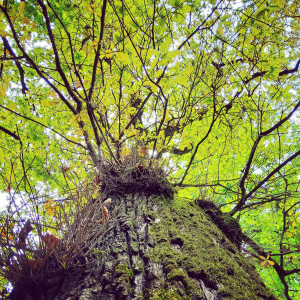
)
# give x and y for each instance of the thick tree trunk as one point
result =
(155, 248)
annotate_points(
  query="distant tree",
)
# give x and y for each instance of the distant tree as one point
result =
(102, 98)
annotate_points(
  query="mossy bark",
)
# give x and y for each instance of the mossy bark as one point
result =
(155, 249)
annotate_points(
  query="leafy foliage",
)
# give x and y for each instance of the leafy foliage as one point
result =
(209, 87)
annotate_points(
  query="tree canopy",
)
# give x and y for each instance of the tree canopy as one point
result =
(207, 88)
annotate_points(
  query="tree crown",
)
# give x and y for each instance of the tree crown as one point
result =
(209, 89)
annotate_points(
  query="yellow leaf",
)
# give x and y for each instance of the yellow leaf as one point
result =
(263, 263)
(220, 30)
(152, 85)
(2, 26)
(50, 211)
(45, 102)
(1, 153)
(50, 201)
(22, 7)
(151, 52)
(173, 54)
(186, 9)
(4, 33)
(46, 205)
(11, 225)
(189, 70)
(3, 231)
(25, 20)
(181, 146)
(168, 115)
(122, 57)
(261, 257)
(2, 89)
(158, 73)
(12, 106)
(10, 237)
(52, 94)
(95, 194)
(271, 262)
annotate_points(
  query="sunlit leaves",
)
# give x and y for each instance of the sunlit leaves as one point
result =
(50, 207)
(3, 88)
(266, 262)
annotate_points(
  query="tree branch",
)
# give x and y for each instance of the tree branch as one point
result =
(280, 271)
(10, 133)
(198, 145)
(21, 71)
(32, 63)
(57, 60)
(199, 27)
(286, 72)
(273, 172)
(250, 159)
(98, 51)
(45, 126)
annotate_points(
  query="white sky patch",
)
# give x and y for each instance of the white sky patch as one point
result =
(258, 171)
(3, 201)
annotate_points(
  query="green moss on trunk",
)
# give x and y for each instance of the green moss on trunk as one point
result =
(192, 248)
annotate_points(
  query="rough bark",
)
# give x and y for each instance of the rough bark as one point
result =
(155, 248)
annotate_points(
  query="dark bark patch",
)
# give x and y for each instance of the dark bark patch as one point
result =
(177, 241)
(224, 221)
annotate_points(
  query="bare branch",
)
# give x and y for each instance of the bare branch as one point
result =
(12, 134)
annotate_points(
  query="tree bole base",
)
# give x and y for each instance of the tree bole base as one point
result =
(155, 249)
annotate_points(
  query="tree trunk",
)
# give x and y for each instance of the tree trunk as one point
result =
(155, 248)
